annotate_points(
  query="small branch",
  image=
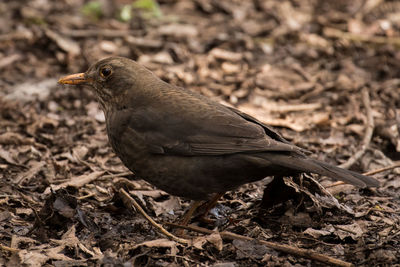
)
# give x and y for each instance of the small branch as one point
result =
(335, 184)
(129, 200)
(121, 174)
(10, 249)
(9, 60)
(394, 166)
(110, 33)
(368, 133)
(376, 171)
(356, 37)
(284, 248)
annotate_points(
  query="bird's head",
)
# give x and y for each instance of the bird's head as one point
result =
(113, 79)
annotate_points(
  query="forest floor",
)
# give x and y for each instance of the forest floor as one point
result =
(325, 74)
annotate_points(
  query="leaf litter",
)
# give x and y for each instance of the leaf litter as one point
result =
(298, 66)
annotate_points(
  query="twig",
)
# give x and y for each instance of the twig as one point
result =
(121, 174)
(369, 173)
(110, 33)
(356, 37)
(86, 196)
(335, 184)
(125, 196)
(368, 133)
(10, 249)
(8, 60)
(394, 166)
(284, 248)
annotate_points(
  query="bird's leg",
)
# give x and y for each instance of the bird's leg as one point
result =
(188, 215)
(202, 207)
(207, 206)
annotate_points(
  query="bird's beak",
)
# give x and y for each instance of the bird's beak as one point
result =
(78, 78)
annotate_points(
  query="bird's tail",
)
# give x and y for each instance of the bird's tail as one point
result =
(306, 164)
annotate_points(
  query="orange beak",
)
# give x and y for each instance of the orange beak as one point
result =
(78, 78)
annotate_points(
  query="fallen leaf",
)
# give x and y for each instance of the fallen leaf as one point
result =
(316, 233)
(167, 206)
(77, 181)
(161, 243)
(178, 30)
(216, 240)
(349, 230)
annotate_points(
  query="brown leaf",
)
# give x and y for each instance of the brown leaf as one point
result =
(167, 206)
(227, 55)
(161, 243)
(316, 233)
(11, 138)
(66, 44)
(216, 240)
(35, 168)
(178, 30)
(77, 181)
(8, 157)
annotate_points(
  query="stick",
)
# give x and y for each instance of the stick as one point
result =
(376, 171)
(284, 248)
(121, 174)
(394, 166)
(356, 37)
(368, 133)
(10, 249)
(125, 196)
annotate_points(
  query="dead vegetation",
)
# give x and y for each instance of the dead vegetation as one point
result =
(326, 74)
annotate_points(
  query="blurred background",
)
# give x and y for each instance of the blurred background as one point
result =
(324, 73)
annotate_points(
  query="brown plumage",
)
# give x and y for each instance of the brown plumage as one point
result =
(186, 144)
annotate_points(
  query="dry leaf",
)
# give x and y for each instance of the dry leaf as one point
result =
(77, 181)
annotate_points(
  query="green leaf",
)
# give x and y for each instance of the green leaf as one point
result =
(126, 13)
(92, 10)
(151, 7)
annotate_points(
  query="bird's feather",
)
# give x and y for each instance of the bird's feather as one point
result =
(225, 131)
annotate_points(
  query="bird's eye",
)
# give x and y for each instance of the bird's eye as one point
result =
(105, 72)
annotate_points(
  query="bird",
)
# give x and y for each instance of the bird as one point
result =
(186, 144)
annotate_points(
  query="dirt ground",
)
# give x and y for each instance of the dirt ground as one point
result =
(323, 73)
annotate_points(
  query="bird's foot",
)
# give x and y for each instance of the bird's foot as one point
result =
(199, 210)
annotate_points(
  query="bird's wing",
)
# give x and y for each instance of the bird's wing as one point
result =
(212, 129)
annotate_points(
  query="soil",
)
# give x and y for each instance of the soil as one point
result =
(325, 74)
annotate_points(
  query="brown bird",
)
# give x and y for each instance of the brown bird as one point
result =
(186, 144)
